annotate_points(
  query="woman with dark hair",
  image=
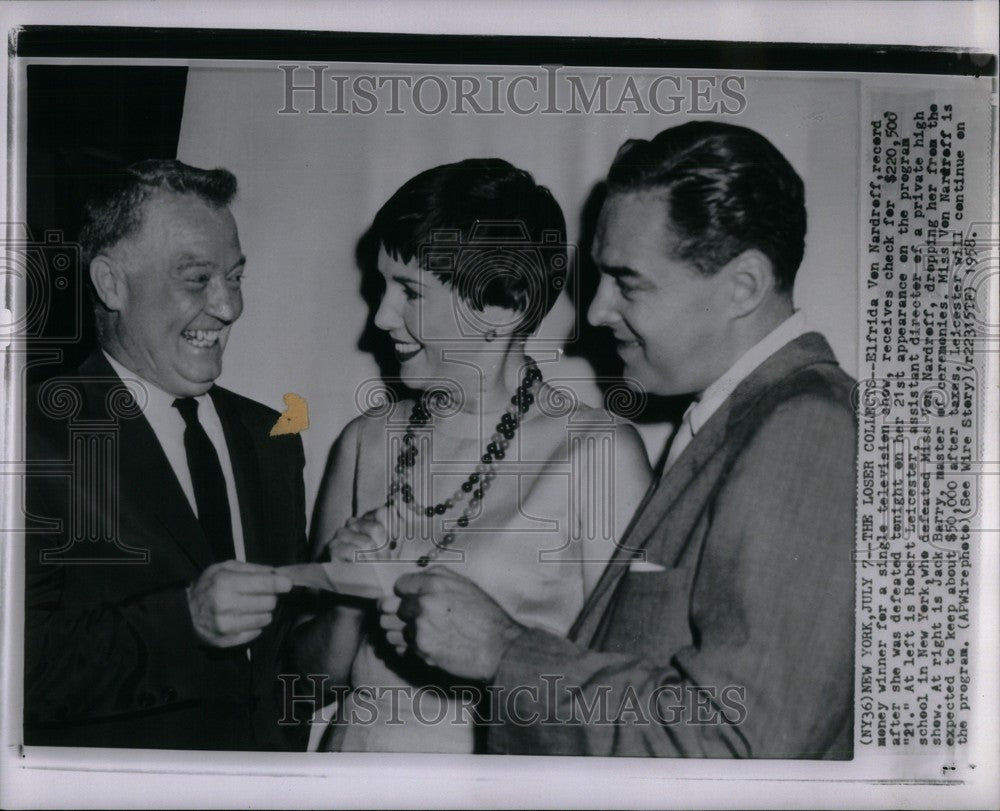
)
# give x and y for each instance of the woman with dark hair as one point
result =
(484, 470)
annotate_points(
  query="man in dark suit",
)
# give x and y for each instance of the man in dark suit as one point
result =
(152, 612)
(724, 624)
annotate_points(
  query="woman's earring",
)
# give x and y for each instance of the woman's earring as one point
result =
(491, 335)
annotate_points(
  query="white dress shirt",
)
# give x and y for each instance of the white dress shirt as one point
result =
(168, 425)
(715, 395)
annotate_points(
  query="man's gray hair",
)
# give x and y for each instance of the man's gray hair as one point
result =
(115, 211)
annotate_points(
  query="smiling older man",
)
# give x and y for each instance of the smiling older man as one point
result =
(156, 629)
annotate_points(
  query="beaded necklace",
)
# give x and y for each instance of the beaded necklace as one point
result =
(477, 482)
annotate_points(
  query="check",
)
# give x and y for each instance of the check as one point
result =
(367, 580)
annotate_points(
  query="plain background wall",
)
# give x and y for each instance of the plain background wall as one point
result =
(311, 184)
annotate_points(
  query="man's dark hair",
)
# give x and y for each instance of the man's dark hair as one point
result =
(481, 199)
(727, 189)
(115, 210)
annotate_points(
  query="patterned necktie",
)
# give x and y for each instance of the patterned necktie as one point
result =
(210, 494)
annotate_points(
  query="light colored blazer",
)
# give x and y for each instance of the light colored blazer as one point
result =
(735, 636)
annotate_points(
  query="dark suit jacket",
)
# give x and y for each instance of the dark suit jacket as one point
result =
(111, 656)
(742, 644)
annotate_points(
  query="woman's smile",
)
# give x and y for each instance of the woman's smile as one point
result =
(406, 350)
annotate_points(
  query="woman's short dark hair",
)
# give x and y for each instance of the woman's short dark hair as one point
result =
(727, 189)
(484, 227)
(114, 211)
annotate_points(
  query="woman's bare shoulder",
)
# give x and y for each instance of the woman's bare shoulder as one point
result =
(562, 407)
(375, 422)
(558, 420)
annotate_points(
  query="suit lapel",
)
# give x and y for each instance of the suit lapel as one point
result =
(246, 472)
(805, 350)
(144, 466)
(650, 515)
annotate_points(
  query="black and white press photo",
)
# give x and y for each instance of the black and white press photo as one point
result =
(407, 417)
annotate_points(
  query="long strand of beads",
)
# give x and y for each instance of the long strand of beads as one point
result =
(479, 481)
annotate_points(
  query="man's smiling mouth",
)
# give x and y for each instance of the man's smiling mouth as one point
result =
(628, 343)
(202, 338)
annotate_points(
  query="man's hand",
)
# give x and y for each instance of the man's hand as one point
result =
(449, 622)
(232, 602)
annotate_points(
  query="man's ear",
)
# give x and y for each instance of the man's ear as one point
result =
(751, 278)
(109, 281)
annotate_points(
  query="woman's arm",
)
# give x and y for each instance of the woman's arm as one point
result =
(632, 478)
(327, 642)
(618, 482)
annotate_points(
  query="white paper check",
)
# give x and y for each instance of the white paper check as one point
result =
(370, 581)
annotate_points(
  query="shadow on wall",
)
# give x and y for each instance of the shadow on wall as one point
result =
(81, 129)
(372, 340)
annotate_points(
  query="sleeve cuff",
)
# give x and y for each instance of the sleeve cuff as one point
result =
(531, 664)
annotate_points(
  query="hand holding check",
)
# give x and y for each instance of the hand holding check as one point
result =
(362, 538)
(449, 622)
(359, 562)
(233, 601)
(440, 615)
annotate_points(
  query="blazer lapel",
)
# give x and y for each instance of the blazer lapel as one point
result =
(649, 518)
(144, 465)
(246, 472)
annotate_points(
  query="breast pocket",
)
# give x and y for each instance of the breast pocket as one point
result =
(649, 614)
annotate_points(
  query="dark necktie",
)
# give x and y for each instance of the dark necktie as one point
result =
(209, 484)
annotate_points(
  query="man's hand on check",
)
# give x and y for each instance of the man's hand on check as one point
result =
(233, 601)
(449, 622)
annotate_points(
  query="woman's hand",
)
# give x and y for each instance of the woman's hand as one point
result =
(362, 538)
